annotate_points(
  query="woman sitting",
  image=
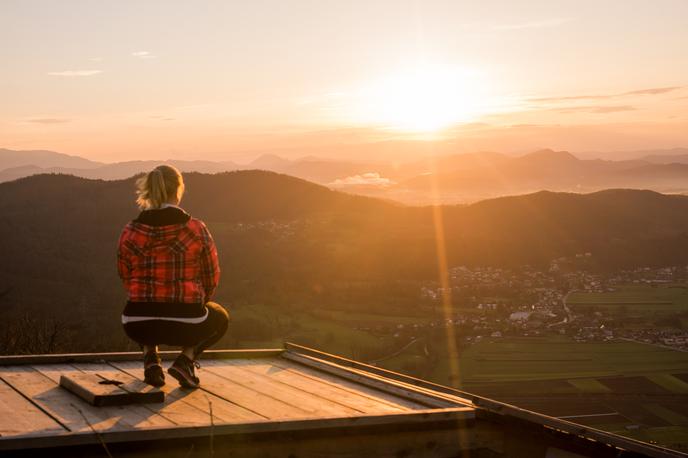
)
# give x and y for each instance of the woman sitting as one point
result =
(168, 263)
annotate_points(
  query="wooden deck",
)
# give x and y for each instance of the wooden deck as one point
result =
(308, 403)
(254, 391)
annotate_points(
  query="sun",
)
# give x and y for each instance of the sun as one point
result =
(423, 99)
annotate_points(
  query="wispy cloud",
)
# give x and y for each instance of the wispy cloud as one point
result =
(542, 24)
(75, 73)
(650, 91)
(525, 126)
(143, 55)
(653, 91)
(595, 109)
(364, 179)
(612, 109)
(571, 97)
(48, 120)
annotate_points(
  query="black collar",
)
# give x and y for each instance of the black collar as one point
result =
(163, 217)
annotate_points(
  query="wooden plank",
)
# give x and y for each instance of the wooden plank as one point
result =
(70, 410)
(363, 390)
(14, 360)
(308, 427)
(89, 388)
(139, 391)
(354, 398)
(100, 391)
(18, 416)
(178, 413)
(386, 373)
(263, 404)
(311, 403)
(223, 411)
(136, 415)
(390, 386)
(142, 393)
(64, 406)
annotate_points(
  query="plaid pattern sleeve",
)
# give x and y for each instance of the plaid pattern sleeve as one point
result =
(209, 264)
(123, 264)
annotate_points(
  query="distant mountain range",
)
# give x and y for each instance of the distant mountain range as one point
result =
(18, 164)
(459, 178)
(492, 175)
(665, 156)
(673, 156)
(44, 159)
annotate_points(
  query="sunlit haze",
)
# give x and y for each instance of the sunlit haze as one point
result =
(421, 99)
(231, 80)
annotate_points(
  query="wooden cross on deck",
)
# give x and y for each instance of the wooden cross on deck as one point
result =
(102, 391)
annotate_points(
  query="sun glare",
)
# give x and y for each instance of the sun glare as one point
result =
(423, 99)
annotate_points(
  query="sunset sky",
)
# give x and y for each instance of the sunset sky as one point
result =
(116, 80)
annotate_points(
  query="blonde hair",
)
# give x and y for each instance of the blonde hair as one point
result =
(159, 186)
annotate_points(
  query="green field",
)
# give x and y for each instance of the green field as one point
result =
(548, 358)
(491, 361)
(368, 319)
(670, 436)
(636, 298)
(554, 374)
(517, 359)
(306, 328)
(589, 385)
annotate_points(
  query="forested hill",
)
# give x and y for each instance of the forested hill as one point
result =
(286, 241)
(230, 196)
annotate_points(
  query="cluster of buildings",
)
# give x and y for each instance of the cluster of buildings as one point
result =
(497, 302)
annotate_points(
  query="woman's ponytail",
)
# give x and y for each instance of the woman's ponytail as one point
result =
(158, 186)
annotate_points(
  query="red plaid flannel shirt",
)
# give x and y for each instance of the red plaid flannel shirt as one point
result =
(173, 263)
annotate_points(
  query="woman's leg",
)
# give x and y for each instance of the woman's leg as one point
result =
(145, 333)
(218, 321)
(189, 352)
(207, 334)
(215, 327)
(152, 366)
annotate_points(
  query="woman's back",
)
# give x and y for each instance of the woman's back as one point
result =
(165, 255)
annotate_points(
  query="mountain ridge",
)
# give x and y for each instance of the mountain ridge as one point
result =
(451, 178)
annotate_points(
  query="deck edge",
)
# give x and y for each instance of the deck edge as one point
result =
(426, 418)
(65, 358)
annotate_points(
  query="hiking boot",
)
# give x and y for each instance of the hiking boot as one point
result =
(183, 370)
(152, 369)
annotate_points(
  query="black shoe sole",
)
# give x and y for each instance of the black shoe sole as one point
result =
(181, 378)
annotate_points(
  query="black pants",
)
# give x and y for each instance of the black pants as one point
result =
(198, 335)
